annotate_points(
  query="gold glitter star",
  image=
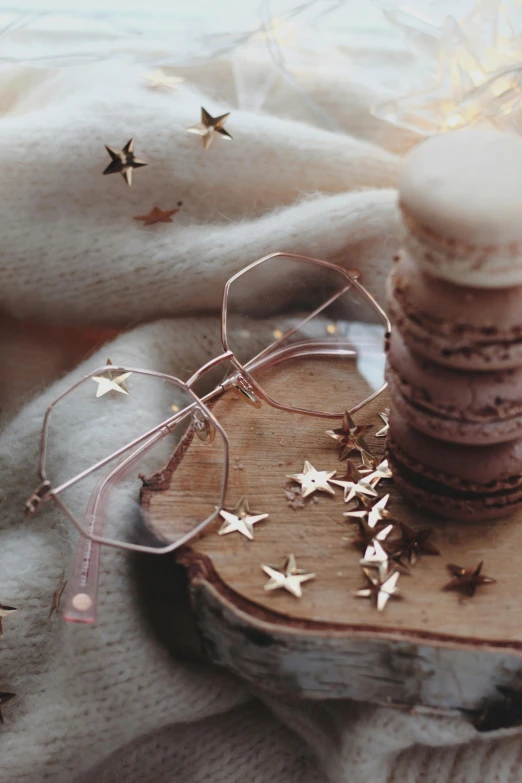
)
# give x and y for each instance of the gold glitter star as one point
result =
(123, 161)
(466, 580)
(288, 578)
(350, 436)
(55, 603)
(381, 471)
(366, 535)
(384, 416)
(376, 557)
(354, 484)
(110, 382)
(312, 480)
(240, 520)
(160, 79)
(373, 513)
(379, 590)
(209, 126)
(4, 698)
(157, 215)
(5, 611)
(413, 543)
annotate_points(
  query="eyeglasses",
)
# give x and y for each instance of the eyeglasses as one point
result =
(128, 421)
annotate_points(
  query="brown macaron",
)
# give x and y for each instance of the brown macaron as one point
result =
(462, 328)
(475, 408)
(455, 481)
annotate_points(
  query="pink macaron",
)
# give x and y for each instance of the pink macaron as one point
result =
(461, 328)
(471, 408)
(455, 481)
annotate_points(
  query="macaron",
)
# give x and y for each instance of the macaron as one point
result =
(462, 328)
(461, 206)
(455, 481)
(473, 408)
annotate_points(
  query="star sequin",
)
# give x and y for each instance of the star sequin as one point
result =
(312, 480)
(350, 436)
(376, 557)
(157, 215)
(374, 513)
(379, 590)
(209, 126)
(160, 79)
(5, 611)
(381, 471)
(4, 698)
(55, 603)
(366, 535)
(110, 382)
(466, 580)
(384, 416)
(123, 161)
(413, 543)
(240, 520)
(354, 484)
(288, 578)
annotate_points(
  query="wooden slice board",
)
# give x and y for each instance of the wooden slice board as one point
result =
(431, 649)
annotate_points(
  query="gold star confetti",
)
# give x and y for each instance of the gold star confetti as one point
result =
(240, 520)
(4, 698)
(123, 161)
(376, 557)
(55, 603)
(368, 463)
(384, 416)
(366, 535)
(466, 580)
(379, 590)
(354, 484)
(373, 513)
(413, 543)
(209, 126)
(110, 382)
(350, 436)
(288, 578)
(381, 471)
(5, 611)
(159, 78)
(312, 480)
(157, 215)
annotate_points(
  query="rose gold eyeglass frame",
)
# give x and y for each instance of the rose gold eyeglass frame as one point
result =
(85, 571)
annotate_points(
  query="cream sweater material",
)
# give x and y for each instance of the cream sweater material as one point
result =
(108, 703)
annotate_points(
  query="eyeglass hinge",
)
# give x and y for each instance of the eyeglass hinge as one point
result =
(41, 494)
(246, 390)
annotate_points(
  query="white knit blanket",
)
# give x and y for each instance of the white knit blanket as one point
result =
(108, 702)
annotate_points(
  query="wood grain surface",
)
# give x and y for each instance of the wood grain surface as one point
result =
(228, 583)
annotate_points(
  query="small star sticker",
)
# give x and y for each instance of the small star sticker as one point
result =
(55, 603)
(288, 578)
(312, 480)
(110, 382)
(467, 579)
(240, 520)
(382, 471)
(376, 557)
(5, 611)
(374, 513)
(413, 543)
(366, 535)
(209, 126)
(354, 484)
(378, 590)
(4, 698)
(384, 416)
(123, 161)
(157, 215)
(160, 79)
(350, 436)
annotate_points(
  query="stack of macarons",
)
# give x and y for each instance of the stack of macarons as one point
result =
(454, 356)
